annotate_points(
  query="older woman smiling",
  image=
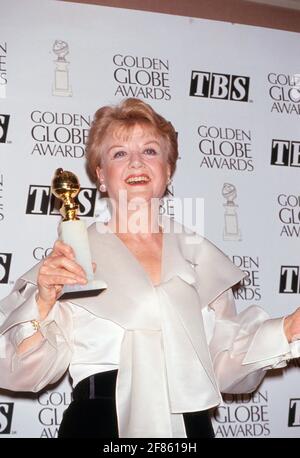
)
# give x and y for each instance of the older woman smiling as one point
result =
(151, 354)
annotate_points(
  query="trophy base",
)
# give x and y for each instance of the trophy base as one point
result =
(92, 288)
(232, 237)
(62, 92)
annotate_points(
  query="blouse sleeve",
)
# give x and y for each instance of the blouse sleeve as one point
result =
(245, 345)
(45, 362)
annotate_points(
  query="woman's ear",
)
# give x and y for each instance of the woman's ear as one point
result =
(99, 173)
(169, 172)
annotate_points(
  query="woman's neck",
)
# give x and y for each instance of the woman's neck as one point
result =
(136, 220)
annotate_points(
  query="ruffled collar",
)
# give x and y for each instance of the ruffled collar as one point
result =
(185, 255)
(165, 367)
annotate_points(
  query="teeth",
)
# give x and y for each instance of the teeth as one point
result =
(137, 179)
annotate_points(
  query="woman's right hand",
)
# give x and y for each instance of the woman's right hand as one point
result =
(57, 270)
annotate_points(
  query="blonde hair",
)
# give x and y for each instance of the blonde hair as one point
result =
(126, 115)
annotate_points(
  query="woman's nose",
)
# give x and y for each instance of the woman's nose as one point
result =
(135, 161)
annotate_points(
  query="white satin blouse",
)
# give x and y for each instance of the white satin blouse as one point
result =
(176, 345)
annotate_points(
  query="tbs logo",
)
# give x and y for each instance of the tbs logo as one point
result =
(285, 153)
(220, 86)
(41, 201)
(5, 261)
(294, 412)
(6, 413)
(289, 280)
(4, 120)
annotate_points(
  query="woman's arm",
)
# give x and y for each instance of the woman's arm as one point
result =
(245, 345)
(57, 270)
(36, 329)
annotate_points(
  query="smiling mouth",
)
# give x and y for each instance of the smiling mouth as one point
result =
(137, 180)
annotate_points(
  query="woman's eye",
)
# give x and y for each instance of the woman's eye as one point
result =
(150, 152)
(119, 154)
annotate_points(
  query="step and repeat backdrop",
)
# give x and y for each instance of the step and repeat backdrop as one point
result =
(233, 95)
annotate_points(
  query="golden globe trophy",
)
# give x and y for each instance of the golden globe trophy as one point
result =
(72, 231)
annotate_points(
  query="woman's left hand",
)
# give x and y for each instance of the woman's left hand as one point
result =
(292, 325)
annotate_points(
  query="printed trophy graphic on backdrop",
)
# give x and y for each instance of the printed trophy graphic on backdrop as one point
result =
(65, 186)
(295, 90)
(61, 84)
(231, 226)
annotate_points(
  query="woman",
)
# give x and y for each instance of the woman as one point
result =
(142, 360)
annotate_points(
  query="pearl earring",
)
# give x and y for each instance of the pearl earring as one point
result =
(102, 187)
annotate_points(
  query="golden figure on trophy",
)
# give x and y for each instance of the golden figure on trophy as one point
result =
(72, 231)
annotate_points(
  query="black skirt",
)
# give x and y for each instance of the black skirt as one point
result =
(93, 414)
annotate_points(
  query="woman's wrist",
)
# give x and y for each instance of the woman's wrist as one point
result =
(43, 306)
(286, 327)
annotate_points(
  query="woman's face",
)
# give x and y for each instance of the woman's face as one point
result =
(134, 161)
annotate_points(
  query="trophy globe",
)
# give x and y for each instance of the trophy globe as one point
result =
(229, 193)
(65, 186)
(61, 84)
(61, 49)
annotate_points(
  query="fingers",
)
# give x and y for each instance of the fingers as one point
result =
(61, 248)
(50, 276)
(62, 262)
(58, 269)
(62, 256)
(61, 268)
